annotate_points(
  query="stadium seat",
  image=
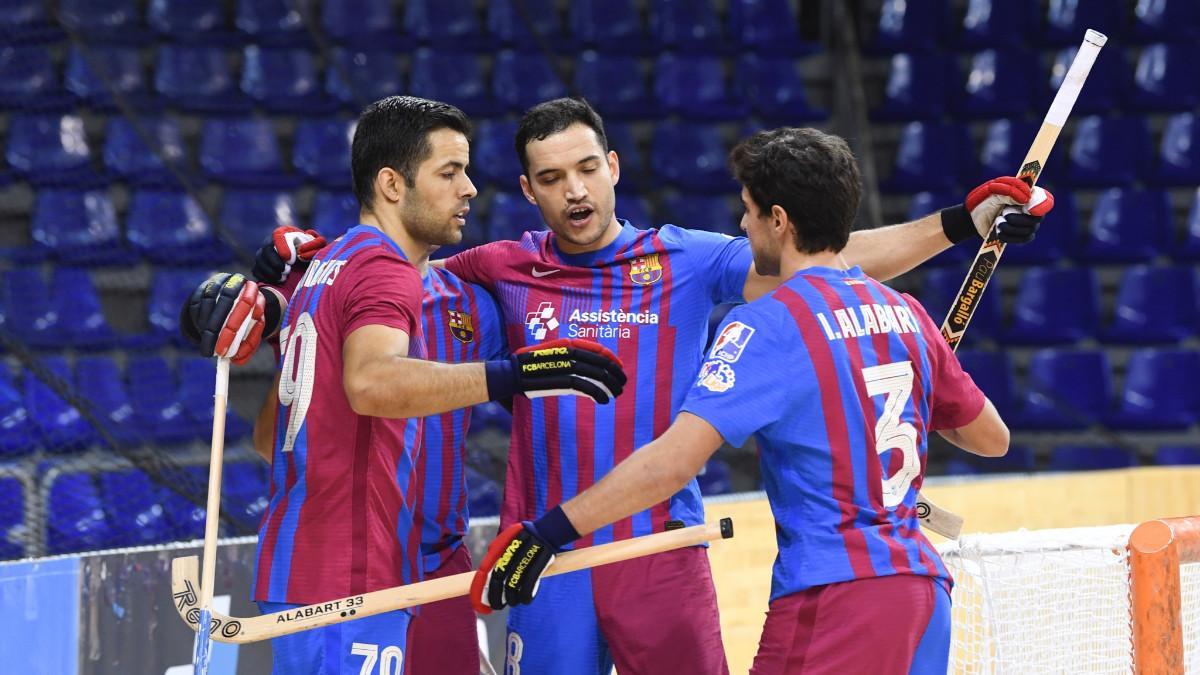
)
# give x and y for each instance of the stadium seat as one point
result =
(1177, 454)
(1179, 153)
(95, 73)
(452, 77)
(1090, 458)
(1155, 305)
(98, 381)
(451, 23)
(1059, 238)
(633, 208)
(22, 22)
(690, 156)
(1165, 78)
(1128, 226)
(271, 22)
(1019, 459)
(495, 160)
(491, 415)
(242, 151)
(18, 434)
(321, 151)
(1054, 306)
(924, 203)
(169, 227)
(775, 89)
(614, 84)
(1067, 20)
(82, 324)
(251, 215)
(905, 26)
(1107, 83)
(997, 22)
(713, 213)
(245, 491)
(1173, 20)
(510, 216)
(38, 325)
(1190, 250)
(608, 25)
(358, 77)
(283, 79)
(993, 372)
(1159, 391)
(511, 26)
(334, 213)
(13, 528)
(198, 79)
(1108, 151)
(939, 291)
(133, 505)
(62, 428)
(105, 21)
(361, 22)
(695, 87)
(1004, 146)
(686, 26)
(79, 228)
(633, 163)
(1066, 390)
(157, 411)
(49, 149)
(931, 156)
(29, 80)
(521, 80)
(127, 155)
(998, 84)
(918, 87)
(168, 287)
(75, 518)
(483, 495)
(197, 376)
(715, 478)
(186, 20)
(766, 26)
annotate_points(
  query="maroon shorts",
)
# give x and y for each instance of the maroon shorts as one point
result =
(442, 639)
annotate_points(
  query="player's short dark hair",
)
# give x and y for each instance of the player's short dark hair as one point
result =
(394, 132)
(551, 117)
(811, 174)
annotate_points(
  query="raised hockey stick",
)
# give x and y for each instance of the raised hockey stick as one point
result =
(202, 647)
(241, 630)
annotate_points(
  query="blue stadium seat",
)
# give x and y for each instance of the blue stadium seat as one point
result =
(452, 77)
(12, 519)
(283, 79)
(940, 289)
(1004, 146)
(766, 26)
(1159, 391)
(931, 156)
(521, 80)
(98, 381)
(483, 495)
(687, 26)
(133, 505)
(1179, 153)
(494, 159)
(924, 203)
(79, 228)
(714, 213)
(633, 208)
(127, 155)
(197, 377)
(715, 478)
(1090, 458)
(29, 79)
(1190, 250)
(198, 79)
(82, 324)
(633, 163)
(186, 20)
(510, 215)
(1059, 238)
(1019, 459)
(997, 22)
(157, 411)
(321, 151)
(491, 415)
(168, 289)
(95, 73)
(1108, 151)
(691, 156)
(358, 77)
(38, 325)
(993, 372)
(273, 22)
(1165, 78)
(18, 434)
(169, 227)
(1128, 226)
(998, 84)
(75, 519)
(608, 25)
(1055, 306)
(918, 87)
(105, 20)
(26, 21)
(245, 490)
(242, 151)
(49, 149)
(696, 87)
(1107, 84)
(1067, 20)
(775, 89)
(361, 22)
(1066, 390)
(1174, 20)
(1177, 454)
(510, 26)
(1155, 305)
(905, 26)
(445, 22)
(251, 215)
(334, 213)
(614, 84)
(62, 428)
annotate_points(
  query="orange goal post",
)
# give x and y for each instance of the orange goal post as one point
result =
(1113, 599)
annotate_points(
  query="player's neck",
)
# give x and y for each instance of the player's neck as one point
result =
(610, 235)
(792, 261)
(417, 252)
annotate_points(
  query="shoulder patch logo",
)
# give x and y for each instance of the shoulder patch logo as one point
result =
(645, 270)
(461, 325)
(716, 376)
(733, 339)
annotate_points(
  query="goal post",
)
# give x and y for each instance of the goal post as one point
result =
(1158, 550)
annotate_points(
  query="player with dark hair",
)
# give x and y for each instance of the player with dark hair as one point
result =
(646, 295)
(344, 511)
(840, 379)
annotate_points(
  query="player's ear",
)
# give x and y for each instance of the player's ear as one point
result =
(527, 190)
(614, 166)
(779, 218)
(390, 184)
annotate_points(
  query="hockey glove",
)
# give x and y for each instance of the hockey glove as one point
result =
(512, 569)
(1008, 203)
(555, 368)
(287, 248)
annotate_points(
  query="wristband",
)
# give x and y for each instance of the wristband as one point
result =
(554, 528)
(957, 224)
(501, 380)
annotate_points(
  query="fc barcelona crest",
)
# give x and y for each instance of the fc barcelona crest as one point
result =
(645, 270)
(460, 325)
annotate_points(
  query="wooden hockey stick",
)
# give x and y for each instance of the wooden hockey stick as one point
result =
(241, 630)
(202, 647)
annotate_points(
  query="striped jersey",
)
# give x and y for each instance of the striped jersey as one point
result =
(343, 490)
(460, 323)
(646, 296)
(841, 379)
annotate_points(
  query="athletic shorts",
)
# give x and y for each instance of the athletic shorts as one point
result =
(443, 639)
(651, 615)
(373, 644)
(893, 625)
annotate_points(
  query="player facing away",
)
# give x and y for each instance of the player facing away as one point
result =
(840, 379)
(646, 295)
(345, 492)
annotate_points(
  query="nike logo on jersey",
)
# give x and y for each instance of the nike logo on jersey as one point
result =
(538, 274)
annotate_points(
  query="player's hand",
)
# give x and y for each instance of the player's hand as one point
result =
(563, 366)
(512, 569)
(224, 317)
(1008, 203)
(287, 248)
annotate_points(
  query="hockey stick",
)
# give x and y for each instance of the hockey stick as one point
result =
(255, 628)
(202, 647)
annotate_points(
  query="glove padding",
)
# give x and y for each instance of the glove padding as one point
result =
(564, 366)
(1014, 208)
(287, 248)
(224, 317)
(511, 571)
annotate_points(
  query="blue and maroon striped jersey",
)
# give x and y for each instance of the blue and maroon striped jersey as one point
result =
(344, 489)
(647, 296)
(461, 323)
(841, 379)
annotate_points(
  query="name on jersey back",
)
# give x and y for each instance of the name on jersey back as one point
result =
(863, 320)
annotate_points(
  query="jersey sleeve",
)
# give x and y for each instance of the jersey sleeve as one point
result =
(723, 261)
(955, 398)
(381, 290)
(741, 388)
(493, 344)
(474, 264)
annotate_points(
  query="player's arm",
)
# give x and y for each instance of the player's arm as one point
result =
(263, 436)
(986, 435)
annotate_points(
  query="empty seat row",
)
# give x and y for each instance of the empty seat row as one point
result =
(1070, 458)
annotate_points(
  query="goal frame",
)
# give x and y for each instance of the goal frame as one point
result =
(1156, 550)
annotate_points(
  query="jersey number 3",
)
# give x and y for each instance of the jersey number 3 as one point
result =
(894, 381)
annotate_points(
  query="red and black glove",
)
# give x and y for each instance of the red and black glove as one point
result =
(227, 316)
(512, 568)
(555, 368)
(1014, 208)
(287, 248)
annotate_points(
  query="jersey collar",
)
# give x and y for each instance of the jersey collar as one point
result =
(371, 229)
(625, 237)
(830, 273)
